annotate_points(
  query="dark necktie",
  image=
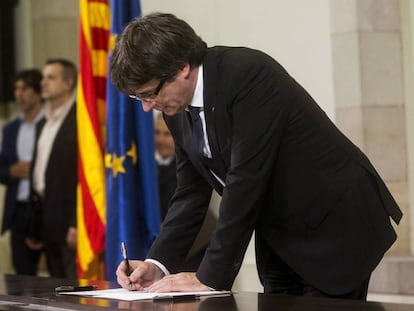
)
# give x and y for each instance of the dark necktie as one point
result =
(198, 134)
(198, 137)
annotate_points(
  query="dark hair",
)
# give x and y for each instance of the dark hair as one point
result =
(31, 78)
(155, 46)
(69, 71)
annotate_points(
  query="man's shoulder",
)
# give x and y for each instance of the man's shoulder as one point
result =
(232, 65)
(233, 60)
(12, 125)
(234, 52)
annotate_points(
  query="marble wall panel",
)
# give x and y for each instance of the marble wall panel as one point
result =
(381, 68)
(55, 38)
(42, 9)
(384, 140)
(400, 193)
(343, 16)
(378, 15)
(346, 70)
(385, 278)
(350, 121)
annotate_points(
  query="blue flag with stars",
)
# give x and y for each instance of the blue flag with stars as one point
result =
(132, 211)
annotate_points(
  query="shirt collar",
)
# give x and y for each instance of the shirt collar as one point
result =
(59, 112)
(198, 100)
(163, 161)
(40, 115)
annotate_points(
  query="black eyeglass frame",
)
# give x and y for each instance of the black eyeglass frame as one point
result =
(151, 94)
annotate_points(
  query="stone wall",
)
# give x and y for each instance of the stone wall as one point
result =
(55, 27)
(368, 88)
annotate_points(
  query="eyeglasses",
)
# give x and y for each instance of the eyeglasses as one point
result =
(147, 96)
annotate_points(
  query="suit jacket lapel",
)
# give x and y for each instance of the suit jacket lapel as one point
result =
(68, 123)
(15, 132)
(217, 124)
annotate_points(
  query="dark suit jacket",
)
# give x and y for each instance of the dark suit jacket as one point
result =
(59, 201)
(308, 192)
(8, 156)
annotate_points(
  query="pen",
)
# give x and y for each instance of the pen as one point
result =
(68, 288)
(176, 297)
(126, 262)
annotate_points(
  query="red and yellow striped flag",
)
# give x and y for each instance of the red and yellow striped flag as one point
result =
(94, 38)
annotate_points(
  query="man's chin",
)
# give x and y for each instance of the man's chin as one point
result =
(169, 112)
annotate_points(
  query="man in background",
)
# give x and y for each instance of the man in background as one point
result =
(15, 160)
(165, 158)
(55, 168)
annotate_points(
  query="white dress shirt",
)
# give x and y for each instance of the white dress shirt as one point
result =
(54, 120)
(198, 101)
(163, 161)
(25, 143)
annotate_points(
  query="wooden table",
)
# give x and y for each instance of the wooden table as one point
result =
(37, 293)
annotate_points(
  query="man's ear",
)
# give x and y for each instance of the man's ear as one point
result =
(186, 71)
(71, 84)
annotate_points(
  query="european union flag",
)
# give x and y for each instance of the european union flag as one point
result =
(132, 212)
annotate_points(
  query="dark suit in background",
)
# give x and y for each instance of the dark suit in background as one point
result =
(314, 200)
(58, 204)
(16, 213)
(167, 182)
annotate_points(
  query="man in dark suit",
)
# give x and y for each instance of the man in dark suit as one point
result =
(319, 209)
(18, 141)
(55, 169)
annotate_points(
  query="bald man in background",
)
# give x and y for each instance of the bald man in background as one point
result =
(165, 158)
(55, 169)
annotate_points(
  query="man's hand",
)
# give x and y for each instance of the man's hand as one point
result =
(33, 244)
(72, 237)
(143, 274)
(20, 170)
(180, 282)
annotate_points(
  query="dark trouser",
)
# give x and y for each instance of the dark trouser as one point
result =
(61, 260)
(278, 277)
(25, 260)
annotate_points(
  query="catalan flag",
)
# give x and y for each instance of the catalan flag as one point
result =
(132, 196)
(94, 42)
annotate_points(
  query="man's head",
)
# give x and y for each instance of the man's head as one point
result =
(59, 80)
(164, 143)
(153, 53)
(27, 90)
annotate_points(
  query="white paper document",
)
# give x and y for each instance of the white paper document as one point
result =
(127, 295)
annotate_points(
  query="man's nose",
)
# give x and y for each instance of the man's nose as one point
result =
(147, 105)
(18, 94)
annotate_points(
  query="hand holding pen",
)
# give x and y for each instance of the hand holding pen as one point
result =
(137, 274)
(126, 262)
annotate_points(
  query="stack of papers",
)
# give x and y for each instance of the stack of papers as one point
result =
(127, 295)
